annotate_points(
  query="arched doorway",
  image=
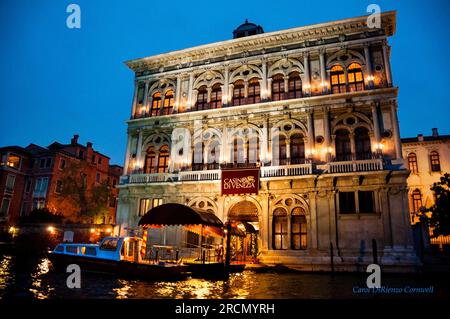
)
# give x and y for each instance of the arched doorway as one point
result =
(244, 215)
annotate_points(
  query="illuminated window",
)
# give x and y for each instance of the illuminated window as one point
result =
(238, 93)
(150, 161)
(202, 99)
(280, 146)
(13, 161)
(214, 155)
(278, 88)
(156, 104)
(253, 149)
(254, 92)
(298, 229)
(297, 146)
(144, 206)
(416, 200)
(295, 85)
(342, 144)
(197, 157)
(412, 163)
(238, 151)
(362, 144)
(355, 78)
(280, 229)
(168, 103)
(216, 97)
(337, 78)
(435, 162)
(156, 202)
(163, 159)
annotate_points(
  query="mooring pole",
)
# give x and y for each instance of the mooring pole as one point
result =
(228, 251)
(374, 251)
(331, 257)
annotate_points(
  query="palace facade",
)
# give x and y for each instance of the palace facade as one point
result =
(312, 109)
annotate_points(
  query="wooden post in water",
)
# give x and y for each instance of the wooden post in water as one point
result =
(201, 244)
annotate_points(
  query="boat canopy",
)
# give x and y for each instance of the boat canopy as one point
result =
(172, 214)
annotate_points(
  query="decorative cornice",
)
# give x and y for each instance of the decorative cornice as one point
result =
(262, 42)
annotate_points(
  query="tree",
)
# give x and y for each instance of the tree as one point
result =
(440, 211)
(82, 192)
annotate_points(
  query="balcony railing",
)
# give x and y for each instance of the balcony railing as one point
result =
(152, 178)
(287, 170)
(207, 175)
(356, 166)
(265, 171)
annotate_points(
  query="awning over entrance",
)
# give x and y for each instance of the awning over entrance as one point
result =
(177, 214)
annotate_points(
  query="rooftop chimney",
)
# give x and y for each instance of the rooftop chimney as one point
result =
(435, 132)
(420, 137)
(89, 144)
(74, 139)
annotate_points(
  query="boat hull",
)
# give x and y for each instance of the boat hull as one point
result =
(122, 268)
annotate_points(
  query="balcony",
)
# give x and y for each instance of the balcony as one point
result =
(353, 166)
(368, 165)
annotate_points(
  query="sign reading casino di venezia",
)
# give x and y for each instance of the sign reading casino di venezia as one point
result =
(242, 181)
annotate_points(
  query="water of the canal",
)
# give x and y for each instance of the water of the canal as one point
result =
(32, 277)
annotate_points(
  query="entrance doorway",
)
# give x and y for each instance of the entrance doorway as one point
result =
(244, 215)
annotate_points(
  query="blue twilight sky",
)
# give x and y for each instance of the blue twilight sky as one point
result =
(56, 81)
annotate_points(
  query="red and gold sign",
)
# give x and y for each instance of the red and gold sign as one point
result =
(242, 181)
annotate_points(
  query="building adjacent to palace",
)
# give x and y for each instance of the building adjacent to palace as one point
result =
(428, 158)
(32, 177)
(312, 109)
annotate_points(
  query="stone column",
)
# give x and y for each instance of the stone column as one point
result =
(396, 131)
(286, 83)
(376, 126)
(323, 73)
(326, 127)
(127, 155)
(139, 151)
(191, 83)
(310, 114)
(387, 63)
(369, 73)
(225, 89)
(246, 89)
(313, 219)
(230, 94)
(145, 105)
(352, 145)
(263, 81)
(134, 105)
(307, 80)
(177, 94)
(269, 88)
(208, 96)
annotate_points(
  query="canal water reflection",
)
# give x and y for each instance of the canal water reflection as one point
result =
(32, 277)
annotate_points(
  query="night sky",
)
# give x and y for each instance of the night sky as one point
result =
(56, 81)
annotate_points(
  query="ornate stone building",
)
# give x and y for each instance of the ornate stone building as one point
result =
(313, 109)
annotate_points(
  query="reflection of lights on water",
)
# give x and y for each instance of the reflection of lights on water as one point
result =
(40, 291)
(5, 274)
(122, 293)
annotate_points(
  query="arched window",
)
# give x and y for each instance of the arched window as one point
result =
(297, 149)
(355, 78)
(216, 97)
(435, 162)
(278, 88)
(197, 157)
(362, 144)
(416, 200)
(298, 229)
(412, 163)
(295, 85)
(254, 92)
(156, 104)
(343, 148)
(213, 155)
(337, 77)
(238, 151)
(202, 99)
(168, 103)
(238, 93)
(280, 228)
(253, 149)
(163, 159)
(150, 161)
(279, 156)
